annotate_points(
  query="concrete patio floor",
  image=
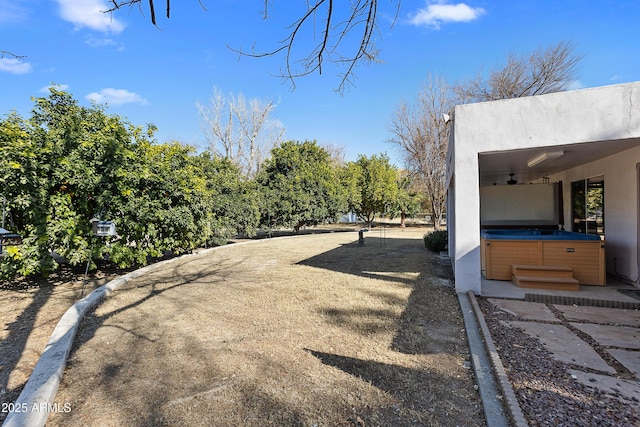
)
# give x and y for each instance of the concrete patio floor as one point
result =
(602, 296)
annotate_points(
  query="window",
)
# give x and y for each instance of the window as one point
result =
(587, 205)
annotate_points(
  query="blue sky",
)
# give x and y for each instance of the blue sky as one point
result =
(157, 74)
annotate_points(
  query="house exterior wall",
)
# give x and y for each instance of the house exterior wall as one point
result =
(598, 114)
(620, 207)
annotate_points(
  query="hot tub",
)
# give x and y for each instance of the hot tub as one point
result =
(502, 248)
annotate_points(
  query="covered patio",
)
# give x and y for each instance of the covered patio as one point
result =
(572, 141)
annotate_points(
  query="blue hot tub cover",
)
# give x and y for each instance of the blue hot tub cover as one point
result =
(535, 234)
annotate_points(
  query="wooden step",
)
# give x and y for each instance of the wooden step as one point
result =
(541, 282)
(542, 270)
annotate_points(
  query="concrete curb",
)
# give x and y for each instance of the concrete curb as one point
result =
(491, 356)
(489, 394)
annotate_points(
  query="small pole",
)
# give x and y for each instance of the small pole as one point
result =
(86, 271)
(4, 208)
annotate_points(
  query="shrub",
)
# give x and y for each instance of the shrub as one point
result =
(436, 240)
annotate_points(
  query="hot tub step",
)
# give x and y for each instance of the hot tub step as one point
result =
(539, 282)
(542, 270)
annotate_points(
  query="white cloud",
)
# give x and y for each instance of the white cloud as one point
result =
(116, 97)
(14, 66)
(99, 42)
(90, 14)
(438, 13)
(12, 12)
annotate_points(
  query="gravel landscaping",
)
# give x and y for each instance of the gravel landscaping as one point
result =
(547, 390)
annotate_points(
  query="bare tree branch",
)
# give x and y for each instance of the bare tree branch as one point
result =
(240, 130)
(119, 4)
(4, 53)
(353, 34)
(544, 71)
(153, 12)
(422, 136)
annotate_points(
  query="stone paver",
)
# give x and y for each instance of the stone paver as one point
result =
(565, 345)
(525, 310)
(601, 315)
(617, 331)
(612, 336)
(630, 390)
(629, 359)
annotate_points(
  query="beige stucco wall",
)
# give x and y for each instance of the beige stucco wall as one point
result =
(598, 114)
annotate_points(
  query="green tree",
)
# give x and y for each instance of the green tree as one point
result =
(408, 200)
(234, 201)
(163, 205)
(68, 163)
(377, 181)
(301, 186)
(349, 175)
(72, 163)
(24, 183)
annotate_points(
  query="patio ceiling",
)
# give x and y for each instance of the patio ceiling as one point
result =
(495, 167)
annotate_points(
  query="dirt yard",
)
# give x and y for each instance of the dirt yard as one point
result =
(309, 330)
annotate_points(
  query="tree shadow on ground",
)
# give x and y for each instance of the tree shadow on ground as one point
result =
(197, 396)
(430, 321)
(379, 258)
(417, 391)
(12, 348)
(156, 287)
(430, 324)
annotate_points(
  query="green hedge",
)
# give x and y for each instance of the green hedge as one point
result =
(436, 240)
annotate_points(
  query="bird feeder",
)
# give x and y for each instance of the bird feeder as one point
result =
(103, 228)
(8, 239)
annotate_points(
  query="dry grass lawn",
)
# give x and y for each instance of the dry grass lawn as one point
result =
(298, 331)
